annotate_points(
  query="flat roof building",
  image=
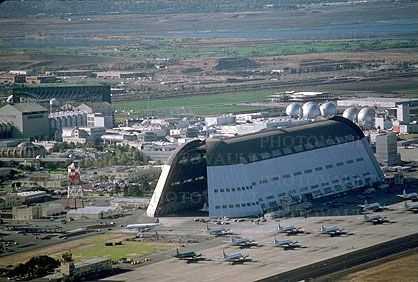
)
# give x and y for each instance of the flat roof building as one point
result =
(91, 213)
(30, 120)
(387, 149)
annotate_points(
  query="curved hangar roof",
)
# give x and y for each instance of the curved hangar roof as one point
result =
(277, 142)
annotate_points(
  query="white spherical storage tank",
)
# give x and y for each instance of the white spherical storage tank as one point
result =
(310, 110)
(328, 109)
(294, 110)
(351, 114)
(366, 118)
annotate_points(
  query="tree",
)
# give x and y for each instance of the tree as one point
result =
(36, 267)
(67, 257)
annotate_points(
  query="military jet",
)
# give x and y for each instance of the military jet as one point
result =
(186, 255)
(375, 207)
(333, 230)
(142, 227)
(286, 244)
(235, 258)
(290, 229)
(242, 243)
(409, 196)
(376, 219)
(413, 208)
(218, 231)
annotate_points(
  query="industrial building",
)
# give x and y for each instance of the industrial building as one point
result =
(63, 119)
(23, 150)
(98, 114)
(29, 197)
(92, 213)
(82, 135)
(6, 130)
(81, 271)
(65, 92)
(403, 109)
(28, 119)
(129, 203)
(387, 149)
(25, 213)
(268, 170)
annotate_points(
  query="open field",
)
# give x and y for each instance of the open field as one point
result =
(77, 57)
(229, 102)
(210, 104)
(402, 269)
(91, 246)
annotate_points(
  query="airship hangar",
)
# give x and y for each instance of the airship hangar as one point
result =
(252, 174)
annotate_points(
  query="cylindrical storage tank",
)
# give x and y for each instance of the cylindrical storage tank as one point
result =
(328, 109)
(366, 118)
(310, 110)
(351, 114)
(388, 124)
(294, 110)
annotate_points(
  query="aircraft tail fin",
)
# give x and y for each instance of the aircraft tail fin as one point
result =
(177, 250)
(404, 192)
(406, 205)
(322, 228)
(223, 252)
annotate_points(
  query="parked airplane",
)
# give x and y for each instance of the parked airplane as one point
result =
(376, 219)
(218, 231)
(413, 208)
(242, 243)
(372, 207)
(142, 227)
(290, 229)
(332, 230)
(286, 244)
(235, 258)
(187, 255)
(409, 196)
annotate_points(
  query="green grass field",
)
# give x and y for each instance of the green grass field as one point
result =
(204, 105)
(177, 50)
(187, 49)
(95, 247)
(89, 247)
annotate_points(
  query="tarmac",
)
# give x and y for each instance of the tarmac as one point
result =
(267, 260)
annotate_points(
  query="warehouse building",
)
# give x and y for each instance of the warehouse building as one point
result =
(23, 150)
(251, 174)
(82, 270)
(92, 213)
(24, 213)
(65, 92)
(28, 119)
(387, 149)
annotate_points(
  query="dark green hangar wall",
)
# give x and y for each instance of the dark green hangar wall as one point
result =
(79, 93)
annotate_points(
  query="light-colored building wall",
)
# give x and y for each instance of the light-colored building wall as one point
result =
(248, 189)
(29, 123)
(24, 213)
